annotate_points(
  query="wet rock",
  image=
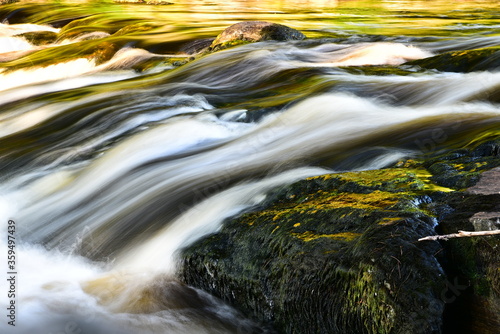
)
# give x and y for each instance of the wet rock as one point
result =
(460, 169)
(338, 253)
(103, 52)
(486, 221)
(488, 184)
(485, 59)
(197, 46)
(473, 264)
(330, 254)
(254, 31)
(39, 37)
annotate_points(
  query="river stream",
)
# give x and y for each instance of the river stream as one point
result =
(107, 170)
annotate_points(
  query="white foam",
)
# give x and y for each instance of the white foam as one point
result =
(16, 29)
(158, 254)
(363, 54)
(36, 75)
(25, 91)
(10, 44)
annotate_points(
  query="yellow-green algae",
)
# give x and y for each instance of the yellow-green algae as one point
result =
(309, 236)
(300, 211)
(389, 220)
(397, 178)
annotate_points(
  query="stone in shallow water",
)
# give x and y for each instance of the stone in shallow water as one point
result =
(39, 37)
(255, 31)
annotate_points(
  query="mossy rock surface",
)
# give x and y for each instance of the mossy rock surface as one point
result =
(339, 253)
(254, 31)
(461, 168)
(473, 264)
(485, 59)
(330, 254)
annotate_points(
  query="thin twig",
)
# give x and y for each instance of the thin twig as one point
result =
(460, 234)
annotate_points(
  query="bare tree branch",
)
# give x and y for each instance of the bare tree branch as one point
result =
(460, 234)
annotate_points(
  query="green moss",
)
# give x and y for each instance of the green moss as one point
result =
(309, 236)
(410, 180)
(461, 168)
(389, 220)
(367, 301)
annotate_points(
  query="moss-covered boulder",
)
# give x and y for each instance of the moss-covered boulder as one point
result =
(254, 31)
(330, 254)
(339, 253)
(485, 59)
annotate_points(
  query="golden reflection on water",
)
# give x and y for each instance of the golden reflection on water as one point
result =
(387, 17)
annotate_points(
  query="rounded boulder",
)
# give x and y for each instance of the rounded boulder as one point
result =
(255, 31)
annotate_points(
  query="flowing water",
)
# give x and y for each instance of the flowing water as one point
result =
(108, 172)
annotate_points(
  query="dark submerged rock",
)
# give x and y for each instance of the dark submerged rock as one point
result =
(255, 31)
(197, 46)
(39, 37)
(485, 59)
(474, 263)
